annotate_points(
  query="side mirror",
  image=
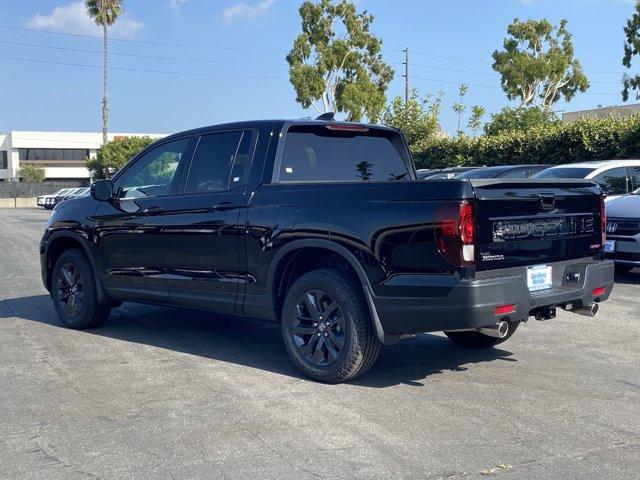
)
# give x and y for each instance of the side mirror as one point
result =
(102, 190)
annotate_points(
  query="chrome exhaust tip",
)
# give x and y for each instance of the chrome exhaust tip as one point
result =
(498, 330)
(587, 311)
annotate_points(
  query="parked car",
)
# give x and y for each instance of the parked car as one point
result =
(504, 171)
(623, 232)
(78, 192)
(422, 173)
(445, 173)
(44, 201)
(325, 232)
(615, 177)
(68, 195)
(50, 201)
(84, 192)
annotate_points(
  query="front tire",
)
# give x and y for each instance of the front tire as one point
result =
(327, 329)
(479, 340)
(74, 292)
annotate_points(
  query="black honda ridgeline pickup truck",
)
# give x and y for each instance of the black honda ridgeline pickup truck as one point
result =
(322, 227)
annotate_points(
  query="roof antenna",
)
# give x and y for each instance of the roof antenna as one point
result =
(327, 117)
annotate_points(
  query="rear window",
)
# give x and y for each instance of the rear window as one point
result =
(565, 173)
(318, 154)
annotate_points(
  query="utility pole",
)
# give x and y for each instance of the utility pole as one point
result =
(406, 76)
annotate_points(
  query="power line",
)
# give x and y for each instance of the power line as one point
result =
(459, 59)
(488, 74)
(144, 42)
(434, 67)
(454, 83)
(135, 55)
(193, 74)
(494, 86)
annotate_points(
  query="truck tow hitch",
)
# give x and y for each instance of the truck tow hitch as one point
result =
(544, 313)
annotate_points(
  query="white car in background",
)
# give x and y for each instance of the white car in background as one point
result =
(49, 201)
(615, 177)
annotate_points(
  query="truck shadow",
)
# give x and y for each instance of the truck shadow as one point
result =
(631, 278)
(253, 343)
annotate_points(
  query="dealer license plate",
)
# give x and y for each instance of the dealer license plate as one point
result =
(539, 278)
(610, 246)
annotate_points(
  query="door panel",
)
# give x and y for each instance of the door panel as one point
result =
(202, 232)
(130, 257)
(201, 241)
(129, 245)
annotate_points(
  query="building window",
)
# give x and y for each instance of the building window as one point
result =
(53, 154)
(3, 160)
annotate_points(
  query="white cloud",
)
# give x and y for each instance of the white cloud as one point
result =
(73, 18)
(244, 11)
(176, 5)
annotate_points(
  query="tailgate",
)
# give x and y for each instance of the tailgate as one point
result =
(536, 221)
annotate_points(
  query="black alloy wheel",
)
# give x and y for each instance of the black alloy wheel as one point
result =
(318, 328)
(70, 290)
(326, 327)
(75, 293)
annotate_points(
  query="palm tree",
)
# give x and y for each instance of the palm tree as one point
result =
(105, 13)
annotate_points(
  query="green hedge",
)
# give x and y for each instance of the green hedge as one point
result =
(587, 139)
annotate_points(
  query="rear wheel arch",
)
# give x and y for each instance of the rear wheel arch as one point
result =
(302, 256)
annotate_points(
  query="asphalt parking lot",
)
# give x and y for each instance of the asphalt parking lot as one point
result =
(164, 393)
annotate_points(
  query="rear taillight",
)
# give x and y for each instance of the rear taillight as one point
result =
(456, 232)
(603, 221)
(504, 309)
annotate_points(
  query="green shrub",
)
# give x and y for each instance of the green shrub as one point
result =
(31, 174)
(114, 154)
(521, 119)
(587, 139)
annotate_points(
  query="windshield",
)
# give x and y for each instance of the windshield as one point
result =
(564, 172)
(481, 173)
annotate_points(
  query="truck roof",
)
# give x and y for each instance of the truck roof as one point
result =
(269, 123)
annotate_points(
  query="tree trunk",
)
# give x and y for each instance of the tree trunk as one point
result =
(105, 101)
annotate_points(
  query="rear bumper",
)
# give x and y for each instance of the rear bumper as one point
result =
(627, 251)
(453, 304)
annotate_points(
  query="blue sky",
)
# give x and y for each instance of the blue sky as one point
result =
(238, 48)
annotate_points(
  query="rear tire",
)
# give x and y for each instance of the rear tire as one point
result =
(74, 292)
(327, 329)
(479, 340)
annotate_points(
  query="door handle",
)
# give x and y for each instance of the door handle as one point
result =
(152, 211)
(224, 206)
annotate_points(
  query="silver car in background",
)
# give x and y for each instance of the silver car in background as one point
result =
(615, 177)
(623, 232)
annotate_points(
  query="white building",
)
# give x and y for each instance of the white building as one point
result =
(614, 111)
(62, 154)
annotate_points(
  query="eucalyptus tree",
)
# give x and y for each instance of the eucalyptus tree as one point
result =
(537, 63)
(336, 64)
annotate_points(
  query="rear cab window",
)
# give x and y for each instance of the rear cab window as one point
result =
(342, 153)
